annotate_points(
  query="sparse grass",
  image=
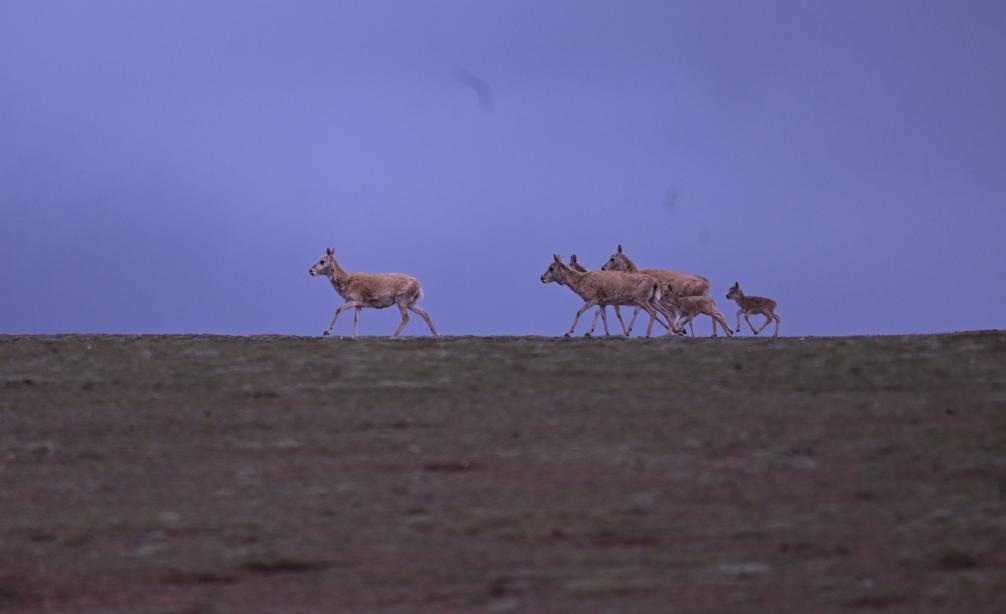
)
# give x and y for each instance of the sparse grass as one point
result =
(279, 473)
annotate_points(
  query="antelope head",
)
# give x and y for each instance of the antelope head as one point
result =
(576, 266)
(617, 262)
(324, 266)
(734, 292)
(555, 271)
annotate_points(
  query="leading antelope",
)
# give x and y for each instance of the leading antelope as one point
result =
(606, 288)
(754, 304)
(681, 284)
(374, 290)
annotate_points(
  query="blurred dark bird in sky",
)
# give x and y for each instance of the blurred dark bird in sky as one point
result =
(478, 85)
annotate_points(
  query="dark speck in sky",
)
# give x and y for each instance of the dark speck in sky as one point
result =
(478, 85)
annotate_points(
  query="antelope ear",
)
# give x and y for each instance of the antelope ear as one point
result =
(330, 251)
(572, 257)
(556, 257)
(619, 248)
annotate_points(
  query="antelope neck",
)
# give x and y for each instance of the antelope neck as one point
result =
(571, 276)
(337, 273)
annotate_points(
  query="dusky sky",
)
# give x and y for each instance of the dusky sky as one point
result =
(178, 166)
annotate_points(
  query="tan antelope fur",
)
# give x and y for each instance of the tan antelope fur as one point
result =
(373, 290)
(605, 288)
(687, 307)
(752, 305)
(681, 284)
(601, 310)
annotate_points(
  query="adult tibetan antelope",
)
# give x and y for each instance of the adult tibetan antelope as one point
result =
(605, 288)
(601, 310)
(754, 304)
(681, 284)
(375, 290)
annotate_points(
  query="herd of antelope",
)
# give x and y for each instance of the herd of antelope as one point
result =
(676, 297)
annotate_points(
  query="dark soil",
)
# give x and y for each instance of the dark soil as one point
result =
(280, 474)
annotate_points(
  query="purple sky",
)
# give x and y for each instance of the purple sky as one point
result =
(178, 166)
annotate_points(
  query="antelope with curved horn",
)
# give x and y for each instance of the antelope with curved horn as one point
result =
(373, 290)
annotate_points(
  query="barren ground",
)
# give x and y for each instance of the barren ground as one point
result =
(280, 474)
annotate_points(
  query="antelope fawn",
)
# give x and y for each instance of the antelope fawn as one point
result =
(754, 305)
(687, 307)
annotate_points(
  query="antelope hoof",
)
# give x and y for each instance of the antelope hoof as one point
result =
(324, 333)
(587, 334)
(568, 335)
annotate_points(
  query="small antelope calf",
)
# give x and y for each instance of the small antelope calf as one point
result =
(687, 307)
(374, 290)
(752, 305)
(605, 288)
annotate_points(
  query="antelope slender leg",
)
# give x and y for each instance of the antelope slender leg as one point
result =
(691, 323)
(768, 320)
(618, 314)
(739, 312)
(669, 315)
(422, 313)
(632, 321)
(405, 319)
(656, 310)
(778, 322)
(723, 323)
(653, 317)
(343, 307)
(748, 318)
(604, 319)
(593, 323)
(713, 318)
(579, 313)
(356, 322)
